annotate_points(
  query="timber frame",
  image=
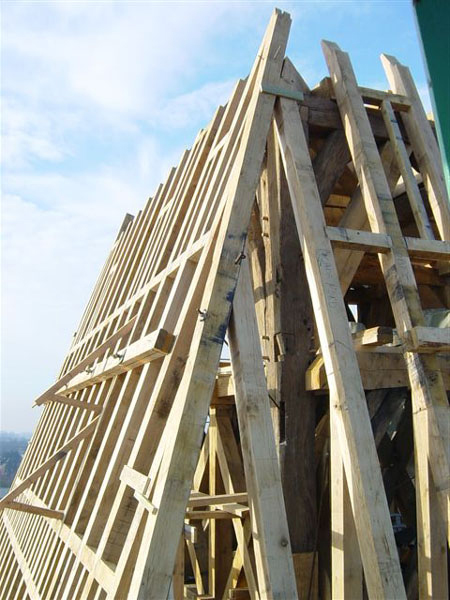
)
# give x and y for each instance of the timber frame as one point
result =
(314, 462)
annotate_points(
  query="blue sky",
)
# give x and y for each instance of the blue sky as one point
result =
(99, 99)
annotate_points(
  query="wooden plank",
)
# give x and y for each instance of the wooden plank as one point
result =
(35, 510)
(272, 550)
(200, 515)
(431, 538)
(428, 391)
(378, 369)
(430, 339)
(104, 574)
(137, 481)
(282, 92)
(107, 345)
(97, 408)
(195, 567)
(306, 567)
(355, 217)
(148, 348)
(178, 573)
(296, 326)
(208, 500)
(47, 464)
(402, 157)
(268, 299)
(330, 163)
(377, 97)
(378, 550)
(364, 241)
(374, 336)
(346, 566)
(21, 560)
(232, 472)
(430, 249)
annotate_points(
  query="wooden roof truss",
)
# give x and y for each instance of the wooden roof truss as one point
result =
(148, 448)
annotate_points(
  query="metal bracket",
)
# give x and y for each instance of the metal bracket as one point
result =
(283, 92)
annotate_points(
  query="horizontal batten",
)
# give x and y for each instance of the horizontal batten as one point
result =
(153, 346)
(366, 241)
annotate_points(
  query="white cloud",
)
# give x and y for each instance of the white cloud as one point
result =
(99, 100)
(199, 104)
(29, 134)
(52, 253)
(121, 57)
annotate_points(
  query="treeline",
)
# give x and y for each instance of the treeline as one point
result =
(12, 447)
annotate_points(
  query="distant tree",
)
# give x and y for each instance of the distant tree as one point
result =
(9, 463)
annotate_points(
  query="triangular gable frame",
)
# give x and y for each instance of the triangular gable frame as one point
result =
(184, 313)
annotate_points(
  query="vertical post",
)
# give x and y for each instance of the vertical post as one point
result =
(371, 513)
(346, 566)
(220, 532)
(273, 556)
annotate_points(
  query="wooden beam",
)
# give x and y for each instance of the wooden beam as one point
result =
(378, 368)
(296, 327)
(30, 584)
(367, 241)
(200, 515)
(207, 500)
(430, 249)
(35, 510)
(377, 97)
(137, 481)
(423, 142)
(354, 239)
(376, 539)
(81, 366)
(104, 574)
(374, 336)
(330, 163)
(430, 339)
(273, 554)
(428, 394)
(73, 402)
(185, 427)
(402, 158)
(177, 586)
(151, 347)
(346, 566)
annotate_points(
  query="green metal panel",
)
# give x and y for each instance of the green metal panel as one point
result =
(433, 18)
